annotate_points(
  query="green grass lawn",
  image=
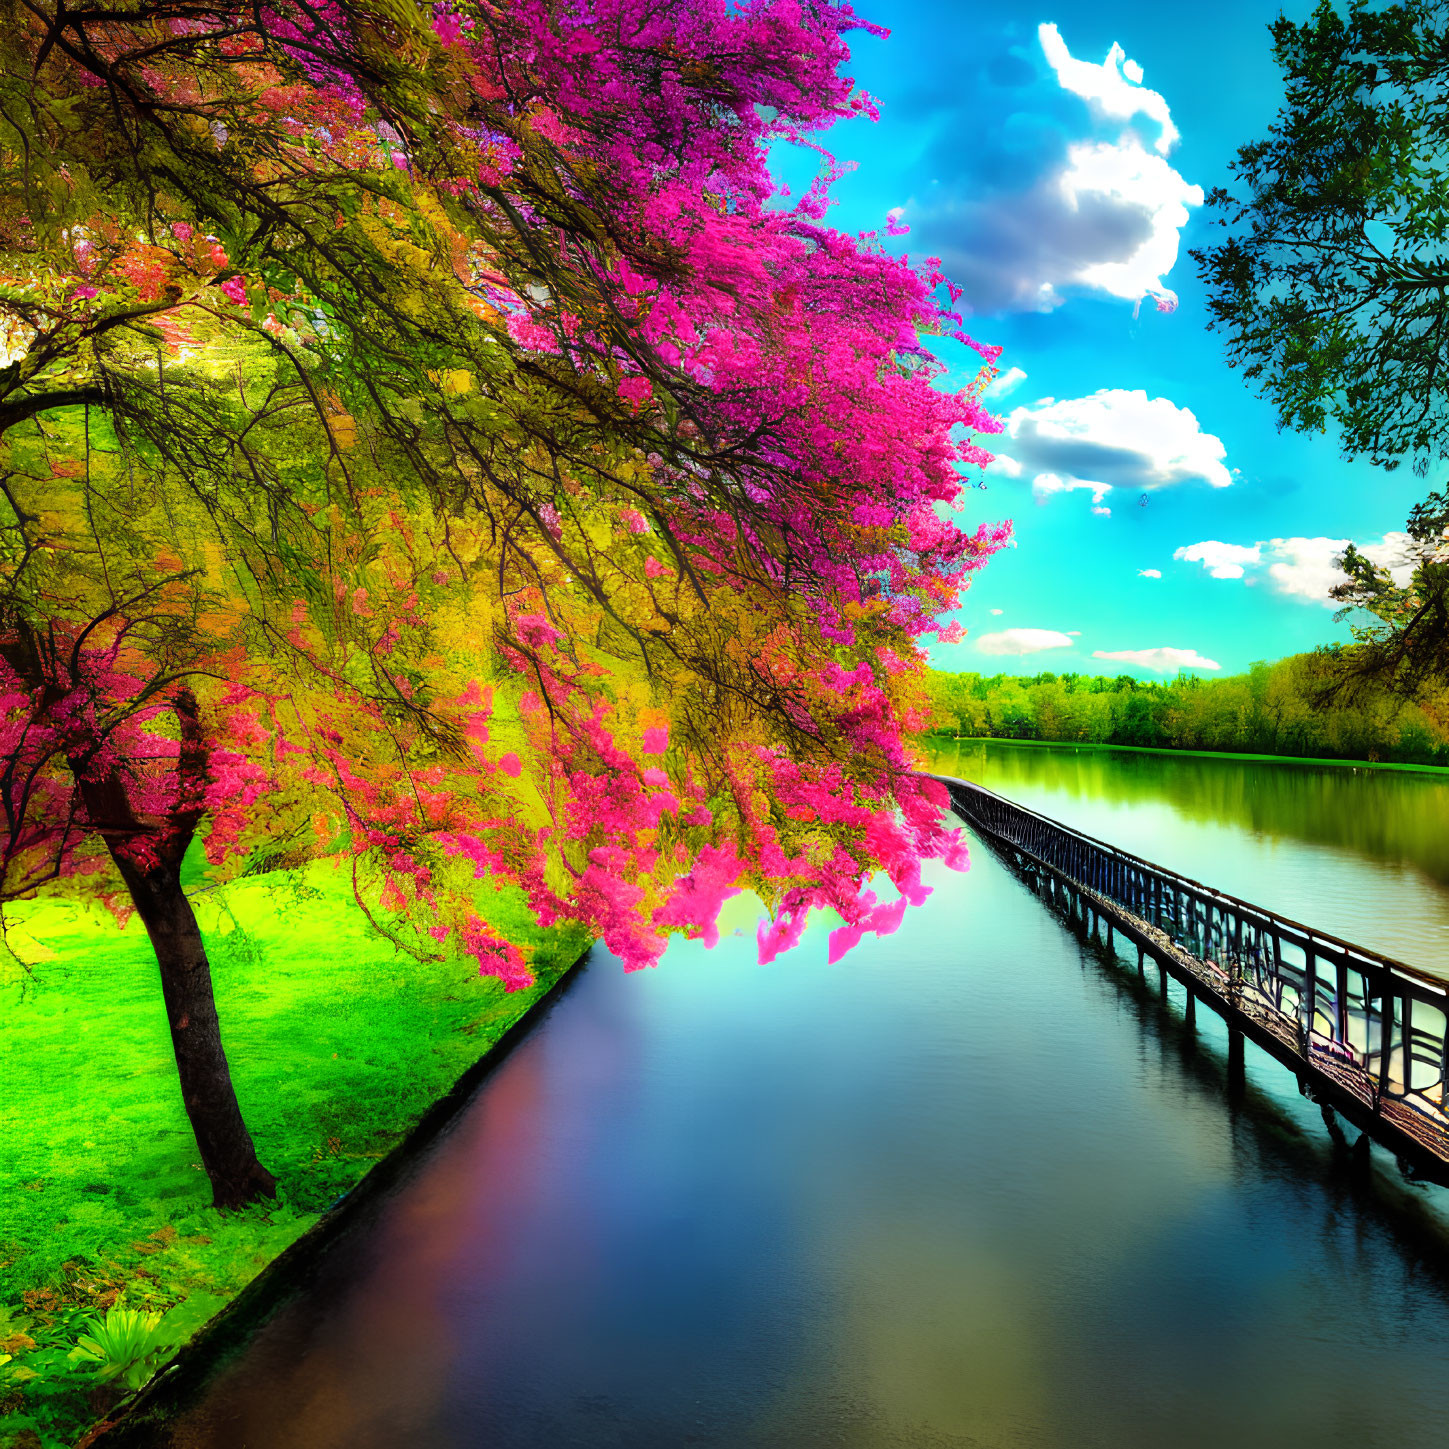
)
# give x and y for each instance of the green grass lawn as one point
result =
(337, 1045)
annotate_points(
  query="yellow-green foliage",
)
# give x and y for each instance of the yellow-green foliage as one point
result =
(337, 1046)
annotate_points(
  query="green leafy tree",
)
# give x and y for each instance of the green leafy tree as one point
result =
(1332, 288)
(1333, 285)
(1012, 712)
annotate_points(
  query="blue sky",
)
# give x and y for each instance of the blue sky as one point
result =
(1058, 185)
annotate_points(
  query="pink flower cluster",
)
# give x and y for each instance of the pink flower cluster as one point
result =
(785, 517)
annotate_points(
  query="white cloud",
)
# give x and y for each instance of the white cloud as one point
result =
(1307, 568)
(1023, 641)
(1131, 179)
(1101, 512)
(1045, 484)
(1046, 205)
(1006, 382)
(1113, 439)
(997, 611)
(1298, 568)
(1164, 660)
(1221, 560)
(1104, 88)
(1394, 551)
(1149, 573)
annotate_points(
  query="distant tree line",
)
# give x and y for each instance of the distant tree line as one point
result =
(1273, 709)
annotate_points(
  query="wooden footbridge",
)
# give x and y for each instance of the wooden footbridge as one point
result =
(1365, 1035)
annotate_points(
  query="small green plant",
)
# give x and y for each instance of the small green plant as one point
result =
(127, 1344)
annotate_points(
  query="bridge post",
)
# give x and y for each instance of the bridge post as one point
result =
(1189, 1010)
(1162, 982)
(1236, 1080)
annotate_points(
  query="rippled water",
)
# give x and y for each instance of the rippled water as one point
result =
(972, 1186)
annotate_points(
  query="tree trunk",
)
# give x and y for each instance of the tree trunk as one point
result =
(148, 845)
(226, 1146)
(148, 855)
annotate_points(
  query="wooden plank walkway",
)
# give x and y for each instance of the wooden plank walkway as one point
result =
(1365, 1035)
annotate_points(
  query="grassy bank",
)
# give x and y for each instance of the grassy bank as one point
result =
(945, 739)
(337, 1046)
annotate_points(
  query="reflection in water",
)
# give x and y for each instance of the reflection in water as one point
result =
(1360, 854)
(404, 1356)
(968, 1187)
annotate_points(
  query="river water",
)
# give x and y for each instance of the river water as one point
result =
(1360, 853)
(972, 1186)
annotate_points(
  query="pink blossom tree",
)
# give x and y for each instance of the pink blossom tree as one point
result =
(552, 449)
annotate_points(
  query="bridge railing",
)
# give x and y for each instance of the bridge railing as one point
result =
(1379, 1027)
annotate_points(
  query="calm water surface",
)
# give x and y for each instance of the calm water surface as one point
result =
(970, 1187)
(1363, 854)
